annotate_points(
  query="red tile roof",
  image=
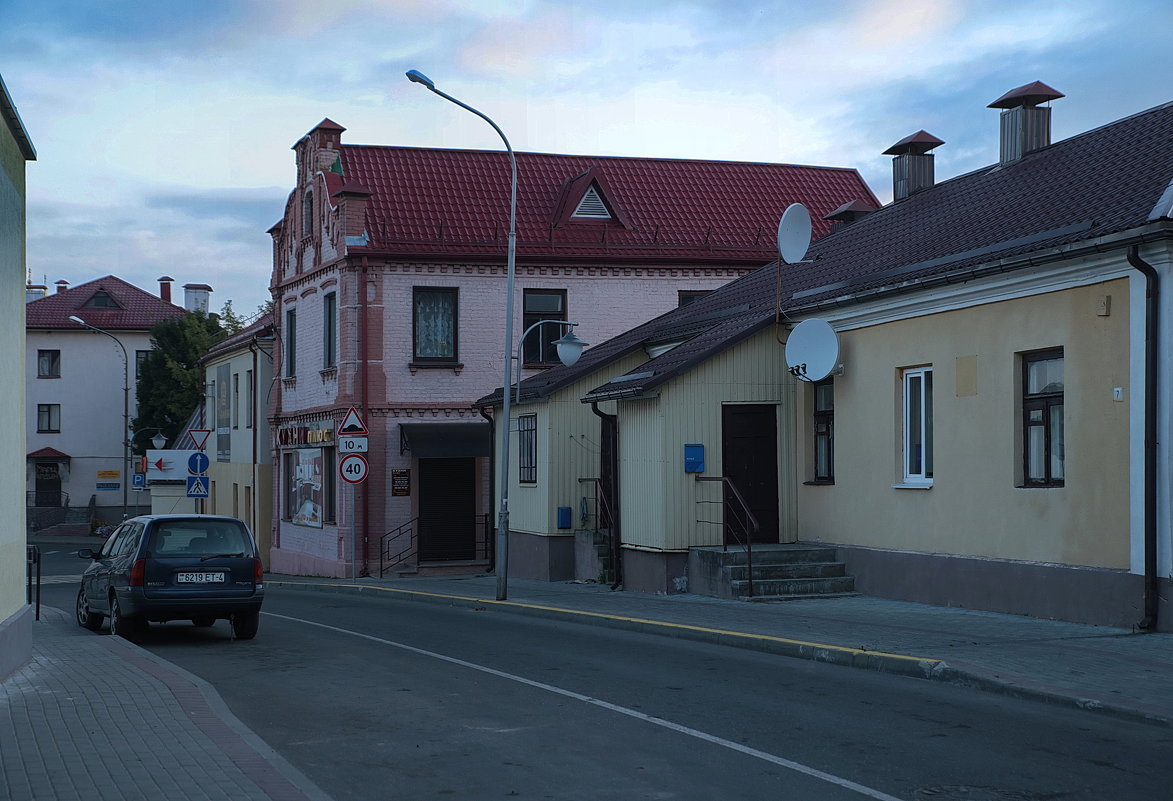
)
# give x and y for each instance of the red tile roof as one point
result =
(430, 200)
(47, 453)
(138, 310)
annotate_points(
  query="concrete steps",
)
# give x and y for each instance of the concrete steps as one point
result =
(781, 572)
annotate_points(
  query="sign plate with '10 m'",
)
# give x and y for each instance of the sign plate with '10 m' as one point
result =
(352, 444)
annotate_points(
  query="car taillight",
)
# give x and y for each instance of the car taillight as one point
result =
(138, 572)
(258, 571)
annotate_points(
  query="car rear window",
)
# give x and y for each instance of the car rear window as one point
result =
(200, 538)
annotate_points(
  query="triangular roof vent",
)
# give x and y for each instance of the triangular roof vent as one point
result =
(592, 205)
(101, 300)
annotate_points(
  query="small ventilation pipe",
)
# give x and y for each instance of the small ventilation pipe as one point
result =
(1024, 127)
(912, 167)
(1152, 293)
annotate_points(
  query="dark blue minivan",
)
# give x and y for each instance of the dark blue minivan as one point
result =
(201, 568)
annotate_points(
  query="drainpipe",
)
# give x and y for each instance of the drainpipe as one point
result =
(1152, 291)
(616, 541)
(492, 471)
(362, 339)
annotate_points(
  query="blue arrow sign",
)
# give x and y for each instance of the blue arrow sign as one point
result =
(197, 463)
(197, 486)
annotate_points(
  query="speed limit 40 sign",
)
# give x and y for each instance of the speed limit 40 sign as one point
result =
(353, 468)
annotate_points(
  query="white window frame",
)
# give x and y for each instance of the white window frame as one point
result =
(917, 424)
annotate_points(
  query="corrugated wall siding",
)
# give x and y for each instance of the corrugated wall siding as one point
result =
(660, 508)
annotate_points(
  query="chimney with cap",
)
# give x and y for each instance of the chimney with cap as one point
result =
(61, 285)
(196, 297)
(912, 167)
(165, 287)
(1024, 126)
(34, 292)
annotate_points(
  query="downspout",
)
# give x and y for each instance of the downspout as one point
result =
(1152, 292)
(616, 535)
(492, 473)
(362, 339)
(252, 347)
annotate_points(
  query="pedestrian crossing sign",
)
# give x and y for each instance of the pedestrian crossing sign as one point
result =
(197, 486)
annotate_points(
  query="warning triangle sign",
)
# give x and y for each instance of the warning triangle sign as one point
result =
(352, 424)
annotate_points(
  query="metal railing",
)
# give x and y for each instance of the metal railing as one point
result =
(741, 518)
(397, 546)
(33, 587)
(402, 543)
(49, 499)
(606, 520)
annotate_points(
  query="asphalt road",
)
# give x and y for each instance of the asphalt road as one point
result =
(375, 698)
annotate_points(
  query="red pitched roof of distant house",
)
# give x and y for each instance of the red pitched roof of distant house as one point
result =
(137, 310)
(426, 200)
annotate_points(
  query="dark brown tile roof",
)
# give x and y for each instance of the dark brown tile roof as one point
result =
(427, 199)
(1110, 181)
(137, 310)
(262, 327)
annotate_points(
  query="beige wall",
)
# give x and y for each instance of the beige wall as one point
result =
(659, 501)
(568, 449)
(12, 401)
(974, 506)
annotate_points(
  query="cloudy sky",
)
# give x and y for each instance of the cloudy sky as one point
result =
(163, 127)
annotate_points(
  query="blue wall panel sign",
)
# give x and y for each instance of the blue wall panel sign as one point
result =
(564, 520)
(694, 458)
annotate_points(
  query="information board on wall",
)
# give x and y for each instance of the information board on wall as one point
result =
(401, 482)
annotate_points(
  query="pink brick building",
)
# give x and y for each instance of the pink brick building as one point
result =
(389, 291)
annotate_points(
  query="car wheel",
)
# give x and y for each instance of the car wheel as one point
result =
(244, 625)
(203, 622)
(127, 628)
(85, 618)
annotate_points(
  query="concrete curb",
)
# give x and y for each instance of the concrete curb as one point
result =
(933, 669)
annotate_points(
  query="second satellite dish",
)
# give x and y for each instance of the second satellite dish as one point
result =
(794, 233)
(812, 350)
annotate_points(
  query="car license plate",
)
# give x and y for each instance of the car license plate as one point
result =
(199, 578)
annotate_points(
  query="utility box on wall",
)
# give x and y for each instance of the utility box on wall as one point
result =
(694, 458)
(564, 520)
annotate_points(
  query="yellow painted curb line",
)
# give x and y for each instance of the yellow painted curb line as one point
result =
(625, 619)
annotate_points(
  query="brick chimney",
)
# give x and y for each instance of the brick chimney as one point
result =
(912, 167)
(61, 285)
(1024, 126)
(352, 208)
(165, 287)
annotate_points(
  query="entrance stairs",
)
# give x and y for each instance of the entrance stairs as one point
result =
(781, 572)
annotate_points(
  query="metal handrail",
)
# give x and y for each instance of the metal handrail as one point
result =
(33, 561)
(387, 542)
(613, 541)
(392, 552)
(748, 525)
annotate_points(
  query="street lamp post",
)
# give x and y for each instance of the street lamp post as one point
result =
(502, 548)
(569, 348)
(125, 411)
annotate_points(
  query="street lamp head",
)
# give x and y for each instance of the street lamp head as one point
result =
(569, 348)
(77, 319)
(415, 76)
(159, 441)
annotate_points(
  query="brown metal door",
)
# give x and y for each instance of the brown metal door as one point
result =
(749, 453)
(447, 510)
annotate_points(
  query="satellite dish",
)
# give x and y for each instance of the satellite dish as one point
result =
(812, 350)
(794, 233)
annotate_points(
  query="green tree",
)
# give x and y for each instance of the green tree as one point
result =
(170, 379)
(230, 321)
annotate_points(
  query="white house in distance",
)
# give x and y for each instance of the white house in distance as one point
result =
(76, 386)
(16, 616)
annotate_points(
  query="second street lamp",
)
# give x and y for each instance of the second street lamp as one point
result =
(125, 411)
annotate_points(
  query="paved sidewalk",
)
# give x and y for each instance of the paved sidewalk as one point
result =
(1108, 670)
(95, 718)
